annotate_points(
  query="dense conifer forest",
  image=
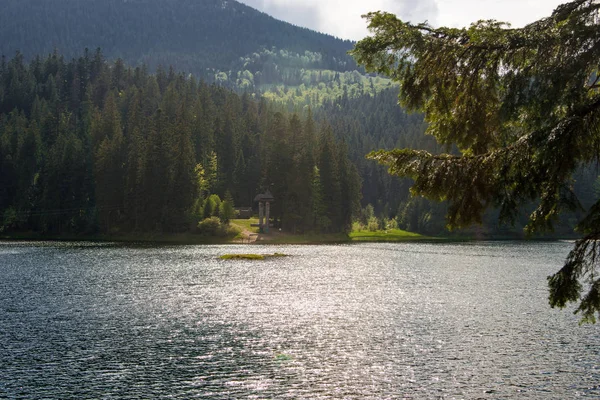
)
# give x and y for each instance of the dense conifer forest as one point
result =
(95, 146)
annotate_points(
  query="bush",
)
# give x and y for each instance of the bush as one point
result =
(210, 227)
(391, 224)
(9, 219)
(231, 231)
(213, 227)
(373, 224)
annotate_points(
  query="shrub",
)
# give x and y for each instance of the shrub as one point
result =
(391, 224)
(373, 224)
(213, 227)
(210, 227)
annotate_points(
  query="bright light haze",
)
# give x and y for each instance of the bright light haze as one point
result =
(342, 18)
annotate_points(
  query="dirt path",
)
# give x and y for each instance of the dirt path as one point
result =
(249, 237)
(245, 237)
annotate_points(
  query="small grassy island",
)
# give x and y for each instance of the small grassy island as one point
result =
(250, 256)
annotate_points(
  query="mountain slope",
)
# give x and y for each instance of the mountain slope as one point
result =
(191, 35)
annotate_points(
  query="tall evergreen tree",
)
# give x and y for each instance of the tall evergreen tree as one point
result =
(521, 105)
(110, 155)
(330, 179)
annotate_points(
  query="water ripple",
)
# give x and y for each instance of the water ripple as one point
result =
(376, 321)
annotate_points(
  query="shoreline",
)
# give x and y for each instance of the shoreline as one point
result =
(271, 239)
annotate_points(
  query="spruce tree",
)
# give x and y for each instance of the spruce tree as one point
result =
(523, 108)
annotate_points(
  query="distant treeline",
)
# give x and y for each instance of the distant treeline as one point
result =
(87, 146)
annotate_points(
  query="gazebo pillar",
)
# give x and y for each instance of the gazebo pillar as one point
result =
(268, 208)
(261, 213)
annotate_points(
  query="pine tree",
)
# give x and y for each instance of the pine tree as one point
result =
(109, 165)
(521, 105)
(227, 211)
(330, 179)
(136, 163)
(350, 189)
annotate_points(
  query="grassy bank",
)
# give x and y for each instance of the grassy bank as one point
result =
(390, 235)
(275, 237)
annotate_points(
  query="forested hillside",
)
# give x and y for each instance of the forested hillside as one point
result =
(291, 70)
(194, 36)
(90, 145)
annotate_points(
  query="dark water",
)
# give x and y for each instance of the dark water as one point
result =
(82, 321)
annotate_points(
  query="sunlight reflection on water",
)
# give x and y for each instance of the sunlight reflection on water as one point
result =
(347, 321)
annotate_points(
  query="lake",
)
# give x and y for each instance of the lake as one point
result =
(405, 320)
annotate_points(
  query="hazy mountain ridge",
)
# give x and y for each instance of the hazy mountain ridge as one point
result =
(191, 35)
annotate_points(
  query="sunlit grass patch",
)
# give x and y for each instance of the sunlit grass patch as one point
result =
(246, 224)
(391, 235)
(283, 357)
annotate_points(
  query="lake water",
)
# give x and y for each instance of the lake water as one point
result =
(413, 321)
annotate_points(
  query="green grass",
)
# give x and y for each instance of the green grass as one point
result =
(246, 224)
(390, 235)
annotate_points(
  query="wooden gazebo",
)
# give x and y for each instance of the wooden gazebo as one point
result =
(264, 208)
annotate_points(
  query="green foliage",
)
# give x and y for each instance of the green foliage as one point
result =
(216, 202)
(226, 210)
(366, 123)
(326, 86)
(523, 108)
(373, 224)
(117, 150)
(9, 219)
(391, 224)
(366, 214)
(418, 214)
(357, 226)
(209, 207)
(210, 227)
(214, 227)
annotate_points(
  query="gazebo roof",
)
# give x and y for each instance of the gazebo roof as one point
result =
(266, 196)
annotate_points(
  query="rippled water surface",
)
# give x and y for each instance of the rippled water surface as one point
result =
(354, 321)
